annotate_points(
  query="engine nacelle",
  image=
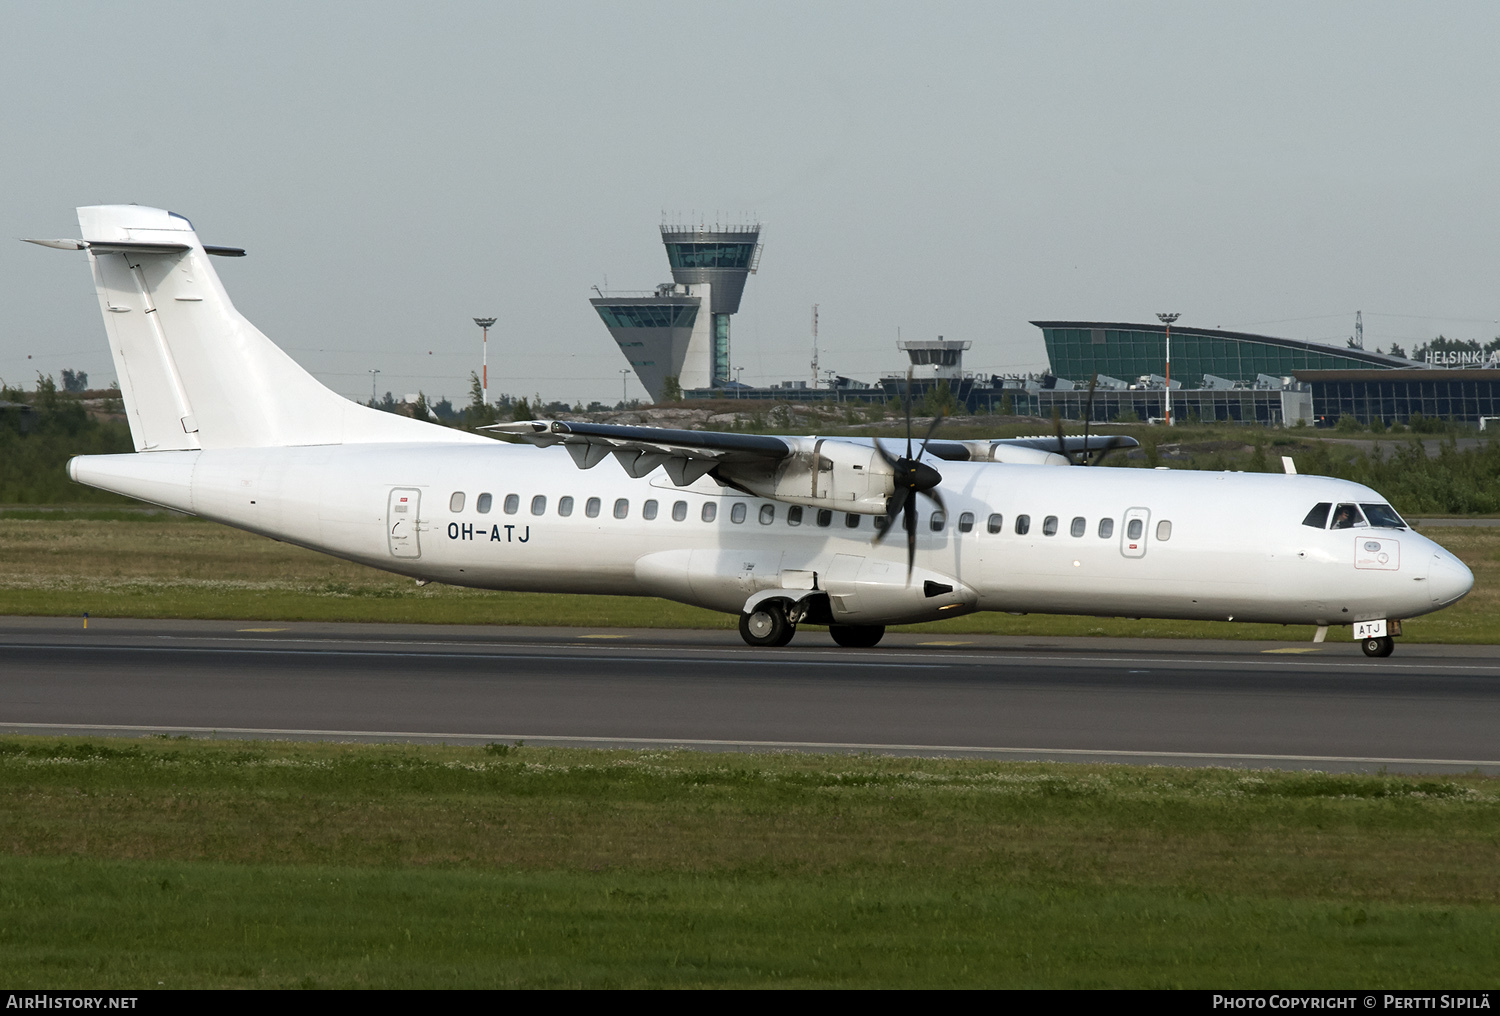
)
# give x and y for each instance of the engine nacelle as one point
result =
(821, 473)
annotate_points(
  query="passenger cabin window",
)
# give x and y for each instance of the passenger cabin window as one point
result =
(1383, 516)
(679, 511)
(622, 508)
(1106, 528)
(995, 523)
(1348, 516)
(966, 522)
(825, 517)
(456, 502)
(851, 520)
(881, 522)
(482, 503)
(512, 503)
(794, 515)
(937, 521)
(1134, 530)
(710, 511)
(648, 510)
(1049, 526)
(767, 514)
(539, 505)
(565, 506)
(1023, 525)
(591, 508)
(1079, 527)
(737, 513)
(1164, 530)
(1318, 517)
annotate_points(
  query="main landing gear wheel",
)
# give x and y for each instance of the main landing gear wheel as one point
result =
(857, 636)
(767, 625)
(1383, 646)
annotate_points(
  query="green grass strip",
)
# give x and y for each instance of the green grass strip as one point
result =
(128, 862)
(143, 924)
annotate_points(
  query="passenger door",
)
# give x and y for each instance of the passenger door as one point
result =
(1135, 527)
(401, 522)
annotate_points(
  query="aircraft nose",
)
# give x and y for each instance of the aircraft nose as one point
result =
(1448, 578)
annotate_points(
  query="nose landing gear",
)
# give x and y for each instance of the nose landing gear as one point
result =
(1382, 646)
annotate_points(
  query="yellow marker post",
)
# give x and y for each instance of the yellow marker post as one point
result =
(85, 619)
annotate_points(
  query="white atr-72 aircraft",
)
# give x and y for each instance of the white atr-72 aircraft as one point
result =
(778, 530)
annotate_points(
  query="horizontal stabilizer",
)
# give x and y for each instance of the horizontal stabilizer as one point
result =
(136, 247)
(123, 247)
(59, 244)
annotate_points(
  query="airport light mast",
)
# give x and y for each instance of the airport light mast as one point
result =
(815, 346)
(372, 385)
(484, 383)
(1167, 320)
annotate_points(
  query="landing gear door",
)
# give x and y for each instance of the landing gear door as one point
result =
(1134, 529)
(401, 522)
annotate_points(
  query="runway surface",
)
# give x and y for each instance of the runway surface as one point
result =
(1287, 705)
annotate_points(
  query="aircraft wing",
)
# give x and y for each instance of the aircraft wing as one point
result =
(1015, 449)
(686, 455)
(842, 473)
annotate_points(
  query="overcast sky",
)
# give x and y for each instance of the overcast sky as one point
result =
(958, 169)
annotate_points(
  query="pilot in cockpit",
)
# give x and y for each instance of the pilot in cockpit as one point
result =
(1347, 516)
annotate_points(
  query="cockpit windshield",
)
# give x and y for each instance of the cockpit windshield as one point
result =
(1318, 517)
(1383, 516)
(1348, 516)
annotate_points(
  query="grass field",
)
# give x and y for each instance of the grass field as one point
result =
(232, 864)
(125, 564)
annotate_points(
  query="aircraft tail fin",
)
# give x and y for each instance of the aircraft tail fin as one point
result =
(193, 372)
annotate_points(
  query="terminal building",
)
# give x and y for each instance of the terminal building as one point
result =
(1222, 375)
(1216, 374)
(676, 338)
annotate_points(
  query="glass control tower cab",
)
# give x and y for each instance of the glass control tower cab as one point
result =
(723, 257)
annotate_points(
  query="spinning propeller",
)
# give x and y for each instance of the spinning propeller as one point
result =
(912, 476)
(1089, 455)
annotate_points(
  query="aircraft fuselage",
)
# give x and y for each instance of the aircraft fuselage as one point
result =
(1106, 542)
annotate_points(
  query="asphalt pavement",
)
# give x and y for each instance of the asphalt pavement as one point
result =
(1255, 704)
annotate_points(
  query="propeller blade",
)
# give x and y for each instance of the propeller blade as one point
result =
(893, 512)
(910, 523)
(1062, 446)
(908, 411)
(937, 421)
(886, 456)
(938, 498)
(1088, 416)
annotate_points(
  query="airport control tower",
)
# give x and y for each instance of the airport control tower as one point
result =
(722, 256)
(944, 356)
(681, 330)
